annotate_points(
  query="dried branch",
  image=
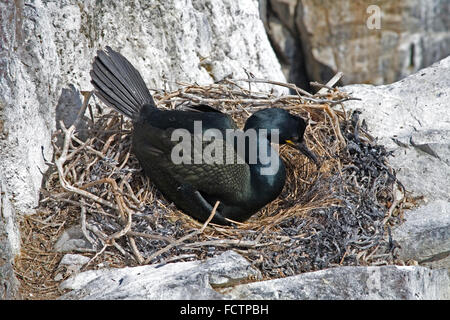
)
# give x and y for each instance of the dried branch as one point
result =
(187, 237)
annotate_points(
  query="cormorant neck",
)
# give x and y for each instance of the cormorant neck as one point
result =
(267, 171)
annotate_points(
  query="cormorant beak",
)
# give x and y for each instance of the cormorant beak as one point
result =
(301, 146)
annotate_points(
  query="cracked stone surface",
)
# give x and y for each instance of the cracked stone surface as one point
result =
(352, 283)
(182, 280)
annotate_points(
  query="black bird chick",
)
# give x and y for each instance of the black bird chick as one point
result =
(242, 187)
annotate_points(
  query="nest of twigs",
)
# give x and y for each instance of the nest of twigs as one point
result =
(338, 214)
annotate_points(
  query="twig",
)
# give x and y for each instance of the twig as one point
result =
(59, 165)
(261, 102)
(176, 258)
(396, 201)
(106, 245)
(121, 207)
(331, 82)
(87, 96)
(281, 84)
(83, 224)
(182, 239)
(227, 243)
(137, 254)
(151, 236)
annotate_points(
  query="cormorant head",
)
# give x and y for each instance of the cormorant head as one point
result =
(290, 128)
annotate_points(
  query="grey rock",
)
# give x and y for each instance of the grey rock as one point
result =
(73, 239)
(67, 109)
(352, 283)
(425, 236)
(70, 264)
(68, 106)
(438, 262)
(412, 35)
(73, 259)
(182, 280)
(28, 92)
(195, 280)
(279, 20)
(9, 246)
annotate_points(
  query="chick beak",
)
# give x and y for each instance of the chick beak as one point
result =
(301, 146)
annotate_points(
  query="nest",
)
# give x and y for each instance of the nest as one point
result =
(339, 214)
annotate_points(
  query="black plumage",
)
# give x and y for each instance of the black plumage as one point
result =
(236, 181)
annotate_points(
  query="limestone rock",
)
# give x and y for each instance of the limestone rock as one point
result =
(352, 283)
(74, 260)
(9, 246)
(278, 17)
(344, 36)
(182, 280)
(425, 236)
(70, 264)
(194, 280)
(73, 239)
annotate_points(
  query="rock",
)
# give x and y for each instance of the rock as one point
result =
(29, 73)
(410, 117)
(73, 260)
(9, 246)
(71, 263)
(411, 35)
(195, 280)
(425, 236)
(73, 239)
(183, 280)
(352, 283)
(67, 109)
(279, 20)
